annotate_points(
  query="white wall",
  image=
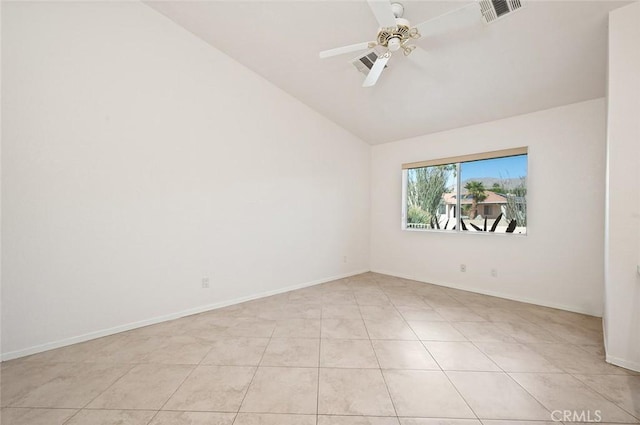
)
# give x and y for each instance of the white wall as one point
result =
(622, 250)
(559, 263)
(138, 159)
(0, 188)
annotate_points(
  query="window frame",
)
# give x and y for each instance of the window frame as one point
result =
(457, 161)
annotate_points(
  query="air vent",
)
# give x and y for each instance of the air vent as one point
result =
(369, 60)
(492, 10)
(366, 61)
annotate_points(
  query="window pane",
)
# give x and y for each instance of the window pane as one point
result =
(430, 194)
(493, 197)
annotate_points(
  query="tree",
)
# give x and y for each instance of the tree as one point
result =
(426, 186)
(497, 188)
(516, 207)
(477, 193)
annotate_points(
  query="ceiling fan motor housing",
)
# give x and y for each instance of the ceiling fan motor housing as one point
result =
(402, 31)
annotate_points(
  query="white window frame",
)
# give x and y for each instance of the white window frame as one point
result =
(457, 161)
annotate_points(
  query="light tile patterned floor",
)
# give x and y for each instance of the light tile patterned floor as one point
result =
(366, 350)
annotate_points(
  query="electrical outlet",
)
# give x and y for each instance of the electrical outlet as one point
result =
(205, 282)
(344, 259)
(494, 272)
(463, 268)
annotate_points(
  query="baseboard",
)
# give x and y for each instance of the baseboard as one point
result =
(159, 319)
(495, 294)
(635, 366)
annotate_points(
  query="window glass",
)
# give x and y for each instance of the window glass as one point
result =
(430, 197)
(494, 195)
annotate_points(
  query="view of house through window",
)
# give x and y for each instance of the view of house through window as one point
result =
(478, 193)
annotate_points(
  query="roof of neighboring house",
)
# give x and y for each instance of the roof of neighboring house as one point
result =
(492, 198)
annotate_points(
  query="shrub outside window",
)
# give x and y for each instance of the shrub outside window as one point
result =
(484, 193)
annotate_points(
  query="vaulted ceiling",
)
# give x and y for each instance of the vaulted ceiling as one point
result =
(547, 54)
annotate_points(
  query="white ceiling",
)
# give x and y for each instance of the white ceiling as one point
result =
(547, 54)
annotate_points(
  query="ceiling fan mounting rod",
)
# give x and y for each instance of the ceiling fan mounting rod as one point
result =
(397, 9)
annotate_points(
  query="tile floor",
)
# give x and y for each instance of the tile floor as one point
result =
(366, 350)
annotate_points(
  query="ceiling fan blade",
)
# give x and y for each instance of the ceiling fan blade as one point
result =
(454, 20)
(383, 13)
(376, 70)
(347, 49)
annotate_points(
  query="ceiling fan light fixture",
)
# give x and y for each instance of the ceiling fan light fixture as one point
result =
(408, 49)
(394, 44)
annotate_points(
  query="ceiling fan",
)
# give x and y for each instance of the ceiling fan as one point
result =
(396, 33)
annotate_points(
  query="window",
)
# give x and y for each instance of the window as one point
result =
(428, 191)
(473, 193)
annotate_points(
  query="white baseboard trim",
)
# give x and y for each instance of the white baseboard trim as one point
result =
(635, 366)
(527, 300)
(159, 319)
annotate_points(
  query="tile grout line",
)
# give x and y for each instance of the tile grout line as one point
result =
(513, 380)
(501, 370)
(588, 387)
(402, 292)
(319, 363)
(451, 382)
(180, 385)
(393, 404)
(565, 372)
(132, 366)
(255, 372)
(442, 370)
